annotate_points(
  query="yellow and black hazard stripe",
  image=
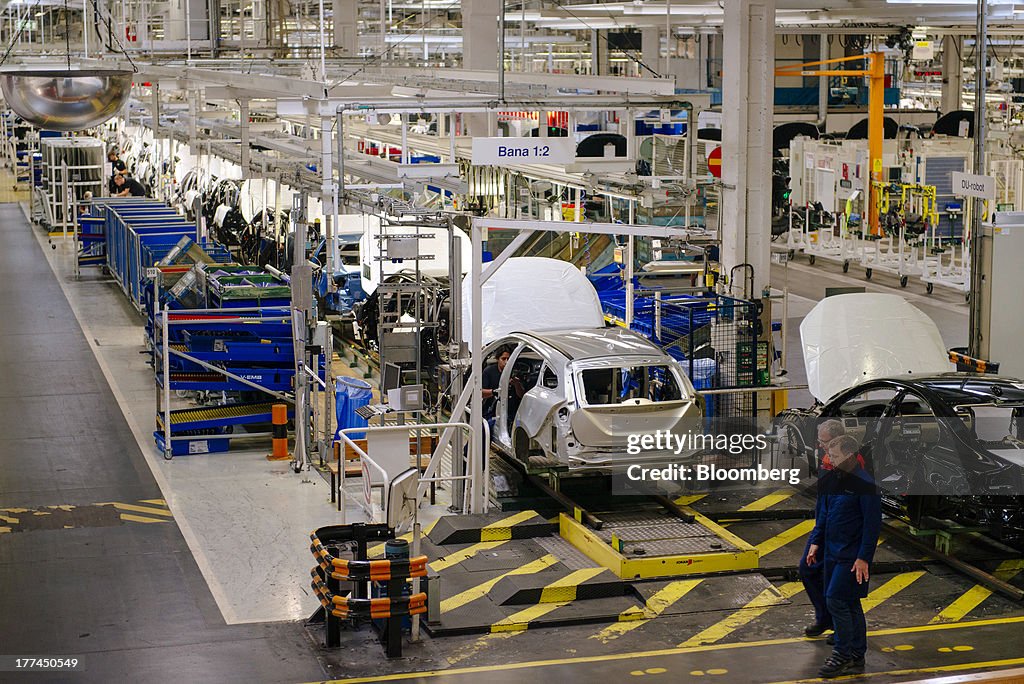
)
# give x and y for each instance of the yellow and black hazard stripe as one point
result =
(965, 362)
(587, 583)
(474, 529)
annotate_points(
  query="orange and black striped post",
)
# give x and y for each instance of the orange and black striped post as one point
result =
(279, 417)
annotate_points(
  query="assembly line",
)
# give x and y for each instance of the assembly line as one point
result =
(364, 342)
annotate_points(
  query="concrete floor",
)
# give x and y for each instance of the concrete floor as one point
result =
(92, 563)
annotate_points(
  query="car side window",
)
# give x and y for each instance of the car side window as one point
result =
(526, 368)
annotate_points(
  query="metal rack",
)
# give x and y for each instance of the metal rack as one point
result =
(71, 167)
(217, 369)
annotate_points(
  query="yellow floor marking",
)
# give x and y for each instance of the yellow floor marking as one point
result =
(157, 502)
(959, 667)
(977, 594)
(457, 557)
(520, 622)
(13, 521)
(758, 606)
(378, 549)
(148, 510)
(473, 593)
(500, 530)
(766, 502)
(655, 606)
(554, 592)
(141, 518)
(775, 543)
(890, 589)
(690, 499)
(4, 530)
(15, 510)
(634, 655)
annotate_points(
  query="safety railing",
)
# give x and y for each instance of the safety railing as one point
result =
(429, 470)
(394, 603)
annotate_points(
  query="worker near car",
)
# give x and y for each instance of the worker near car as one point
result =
(125, 186)
(845, 534)
(491, 378)
(117, 168)
(812, 574)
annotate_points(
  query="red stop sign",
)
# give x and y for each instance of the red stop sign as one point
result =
(715, 162)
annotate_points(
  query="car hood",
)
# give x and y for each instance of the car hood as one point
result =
(850, 339)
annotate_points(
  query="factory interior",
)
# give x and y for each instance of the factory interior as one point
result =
(532, 340)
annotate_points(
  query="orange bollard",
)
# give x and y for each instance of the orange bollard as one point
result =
(279, 417)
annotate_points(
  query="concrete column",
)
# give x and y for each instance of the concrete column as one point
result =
(198, 18)
(480, 34)
(650, 48)
(480, 48)
(243, 127)
(599, 53)
(952, 73)
(259, 22)
(346, 36)
(747, 106)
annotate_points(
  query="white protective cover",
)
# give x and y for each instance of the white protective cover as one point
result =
(852, 338)
(436, 246)
(533, 294)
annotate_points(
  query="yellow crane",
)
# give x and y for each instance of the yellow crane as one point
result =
(874, 71)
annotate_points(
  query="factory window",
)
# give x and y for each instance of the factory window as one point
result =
(618, 384)
(995, 427)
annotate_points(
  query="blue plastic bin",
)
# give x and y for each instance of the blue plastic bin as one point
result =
(350, 394)
(702, 372)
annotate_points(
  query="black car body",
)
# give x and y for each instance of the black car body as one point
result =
(945, 446)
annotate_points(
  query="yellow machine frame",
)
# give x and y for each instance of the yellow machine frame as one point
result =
(926, 194)
(583, 538)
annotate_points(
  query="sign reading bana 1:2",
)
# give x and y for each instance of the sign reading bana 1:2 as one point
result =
(512, 151)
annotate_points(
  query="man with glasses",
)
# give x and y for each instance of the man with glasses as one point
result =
(811, 571)
(846, 531)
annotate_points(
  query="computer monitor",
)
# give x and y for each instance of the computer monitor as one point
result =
(391, 377)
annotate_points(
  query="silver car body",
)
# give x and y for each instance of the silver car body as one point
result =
(562, 414)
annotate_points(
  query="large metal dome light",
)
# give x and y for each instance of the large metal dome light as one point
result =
(66, 100)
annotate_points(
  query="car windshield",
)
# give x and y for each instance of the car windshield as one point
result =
(616, 384)
(996, 426)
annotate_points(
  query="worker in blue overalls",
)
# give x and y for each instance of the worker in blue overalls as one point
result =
(812, 574)
(846, 531)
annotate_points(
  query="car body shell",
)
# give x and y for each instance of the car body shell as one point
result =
(957, 468)
(553, 416)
